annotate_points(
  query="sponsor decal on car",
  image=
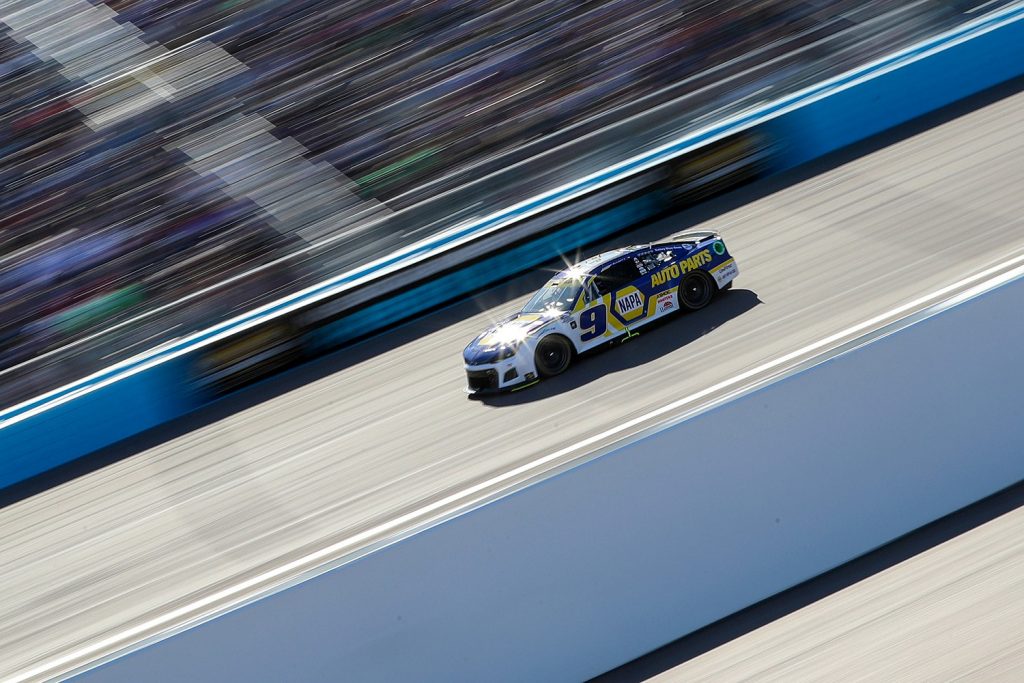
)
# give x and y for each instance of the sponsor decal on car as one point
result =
(629, 303)
(681, 267)
(725, 272)
(666, 301)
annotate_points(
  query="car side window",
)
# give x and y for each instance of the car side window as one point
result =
(617, 276)
(648, 261)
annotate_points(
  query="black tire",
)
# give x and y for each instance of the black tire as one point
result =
(696, 291)
(553, 355)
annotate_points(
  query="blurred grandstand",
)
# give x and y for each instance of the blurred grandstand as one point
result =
(152, 149)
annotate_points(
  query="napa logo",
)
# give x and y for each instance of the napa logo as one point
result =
(629, 303)
(680, 268)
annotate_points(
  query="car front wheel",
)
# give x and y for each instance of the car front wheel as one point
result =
(553, 355)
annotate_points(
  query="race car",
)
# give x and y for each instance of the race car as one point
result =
(602, 300)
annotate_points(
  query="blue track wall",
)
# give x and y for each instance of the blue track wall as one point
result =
(891, 98)
(78, 426)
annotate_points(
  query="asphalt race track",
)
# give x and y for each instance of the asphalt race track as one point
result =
(345, 445)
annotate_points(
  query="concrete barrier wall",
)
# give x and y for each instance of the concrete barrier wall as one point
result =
(46, 432)
(597, 565)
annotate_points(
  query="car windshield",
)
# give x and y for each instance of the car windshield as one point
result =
(559, 294)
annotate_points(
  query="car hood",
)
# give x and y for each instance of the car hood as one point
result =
(493, 343)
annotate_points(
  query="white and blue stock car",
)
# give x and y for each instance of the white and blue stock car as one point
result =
(601, 300)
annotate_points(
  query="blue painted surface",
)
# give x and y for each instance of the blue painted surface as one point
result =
(77, 419)
(899, 96)
(107, 415)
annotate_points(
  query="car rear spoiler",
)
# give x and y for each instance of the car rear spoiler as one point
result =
(694, 236)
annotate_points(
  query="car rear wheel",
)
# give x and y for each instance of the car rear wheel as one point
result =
(696, 290)
(553, 355)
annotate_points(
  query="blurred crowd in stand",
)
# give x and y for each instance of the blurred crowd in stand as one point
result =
(397, 92)
(103, 222)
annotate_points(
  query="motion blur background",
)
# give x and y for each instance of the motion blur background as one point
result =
(166, 163)
(168, 166)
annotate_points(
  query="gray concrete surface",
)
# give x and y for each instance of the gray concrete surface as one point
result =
(175, 531)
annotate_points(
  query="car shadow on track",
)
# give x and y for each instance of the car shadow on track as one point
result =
(654, 341)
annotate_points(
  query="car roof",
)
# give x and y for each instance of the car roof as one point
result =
(599, 262)
(596, 263)
(590, 265)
